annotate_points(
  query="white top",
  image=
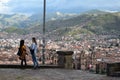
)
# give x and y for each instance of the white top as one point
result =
(34, 46)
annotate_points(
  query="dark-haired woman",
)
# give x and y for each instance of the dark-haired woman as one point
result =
(23, 53)
(33, 50)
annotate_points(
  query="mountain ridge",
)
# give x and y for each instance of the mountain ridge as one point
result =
(94, 21)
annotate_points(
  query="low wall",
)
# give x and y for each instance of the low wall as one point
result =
(113, 69)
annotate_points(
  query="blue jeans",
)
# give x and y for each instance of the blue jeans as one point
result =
(35, 62)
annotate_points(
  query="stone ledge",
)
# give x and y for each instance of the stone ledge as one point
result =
(28, 66)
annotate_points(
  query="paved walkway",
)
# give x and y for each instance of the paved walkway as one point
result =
(50, 74)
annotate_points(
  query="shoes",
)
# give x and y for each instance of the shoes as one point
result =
(35, 67)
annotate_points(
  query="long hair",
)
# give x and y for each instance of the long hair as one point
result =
(34, 40)
(21, 43)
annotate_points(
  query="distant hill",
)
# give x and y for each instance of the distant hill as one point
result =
(13, 20)
(95, 11)
(96, 24)
(91, 22)
(107, 23)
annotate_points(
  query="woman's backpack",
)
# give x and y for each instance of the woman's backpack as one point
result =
(19, 52)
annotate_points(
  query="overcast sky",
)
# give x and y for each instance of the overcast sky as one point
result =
(34, 6)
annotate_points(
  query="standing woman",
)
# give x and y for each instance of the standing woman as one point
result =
(22, 57)
(33, 50)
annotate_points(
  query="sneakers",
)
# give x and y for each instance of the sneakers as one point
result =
(35, 67)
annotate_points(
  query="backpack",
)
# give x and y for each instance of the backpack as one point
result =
(19, 52)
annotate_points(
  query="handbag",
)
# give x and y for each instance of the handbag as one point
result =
(19, 52)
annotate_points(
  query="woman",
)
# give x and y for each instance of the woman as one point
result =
(22, 57)
(33, 50)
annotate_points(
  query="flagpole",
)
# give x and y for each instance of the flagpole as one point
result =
(43, 46)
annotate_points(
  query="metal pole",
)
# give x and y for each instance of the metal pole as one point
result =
(44, 16)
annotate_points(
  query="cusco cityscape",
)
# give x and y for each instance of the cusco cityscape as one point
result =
(49, 40)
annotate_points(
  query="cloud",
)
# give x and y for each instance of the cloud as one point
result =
(26, 6)
(4, 8)
(33, 6)
(4, 1)
(82, 5)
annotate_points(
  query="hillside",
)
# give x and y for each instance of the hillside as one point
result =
(11, 20)
(106, 23)
(91, 22)
(21, 24)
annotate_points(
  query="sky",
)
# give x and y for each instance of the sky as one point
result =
(73, 6)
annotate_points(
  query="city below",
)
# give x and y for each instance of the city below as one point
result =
(91, 49)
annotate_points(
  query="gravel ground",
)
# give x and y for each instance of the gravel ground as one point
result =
(51, 74)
